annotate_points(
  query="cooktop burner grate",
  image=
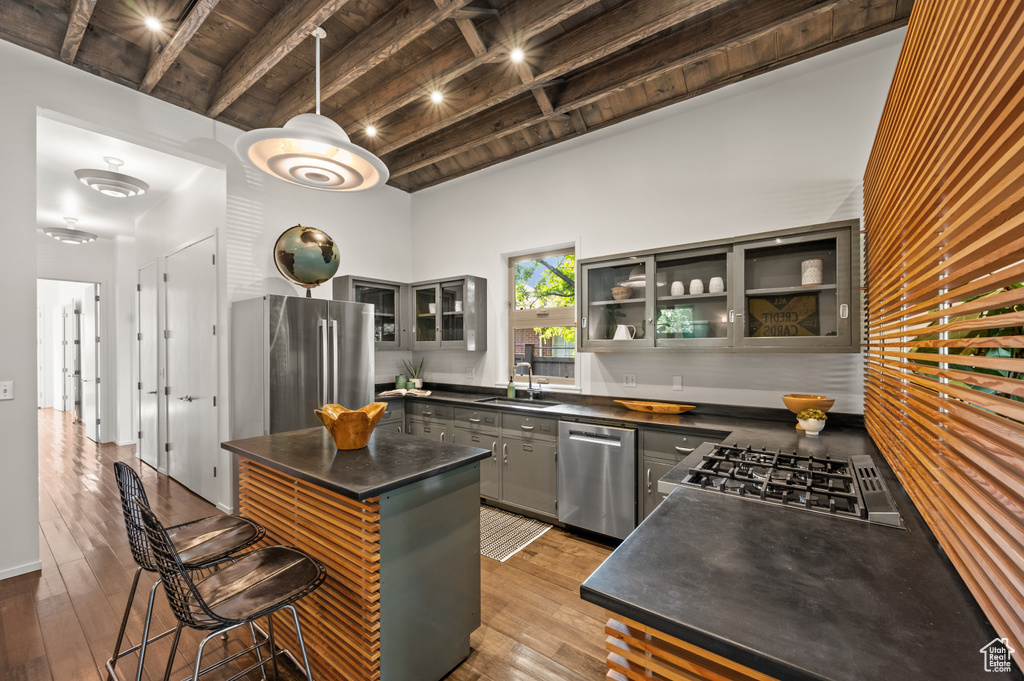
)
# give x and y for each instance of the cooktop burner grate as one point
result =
(821, 484)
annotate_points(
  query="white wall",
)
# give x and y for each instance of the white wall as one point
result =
(781, 150)
(31, 82)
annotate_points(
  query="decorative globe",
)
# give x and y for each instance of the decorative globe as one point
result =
(306, 256)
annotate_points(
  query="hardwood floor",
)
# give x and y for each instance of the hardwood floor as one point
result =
(59, 624)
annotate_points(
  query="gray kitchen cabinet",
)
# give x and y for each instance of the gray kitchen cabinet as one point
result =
(390, 301)
(490, 469)
(430, 420)
(393, 420)
(728, 295)
(660, 451)
(529, 476)
(450, 314)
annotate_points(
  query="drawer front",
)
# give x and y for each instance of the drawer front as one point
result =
(429, 430)
(431, 411)
(650, 473)
(528, 427)
(395, 411)
(675, 446)
(529, 478)
(478, 420)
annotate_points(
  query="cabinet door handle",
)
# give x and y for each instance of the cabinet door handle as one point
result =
(732, 315)
(650, 320)
(504, 452)
(427, 413)
(473, 420)
(844, 311)
(526, 427)
(584, 322)
(442, 436)
(648, 480)
(494, 450)
(684, 450)
(399, 430)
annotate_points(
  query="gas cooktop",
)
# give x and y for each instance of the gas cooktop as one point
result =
(849, 487)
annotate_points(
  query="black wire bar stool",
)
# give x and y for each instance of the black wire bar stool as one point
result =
(255, 585)
(204, 546)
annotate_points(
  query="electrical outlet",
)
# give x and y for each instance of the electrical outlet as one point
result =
(629, 380)
(6, 390)
(677, 382)
(470, 372)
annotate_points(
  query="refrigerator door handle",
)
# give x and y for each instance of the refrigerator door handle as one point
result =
(335, 352)
(325, 357)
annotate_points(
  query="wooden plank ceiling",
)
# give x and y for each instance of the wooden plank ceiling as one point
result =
(588, 63)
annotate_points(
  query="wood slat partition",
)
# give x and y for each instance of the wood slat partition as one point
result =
(944, 221)
(341, 620)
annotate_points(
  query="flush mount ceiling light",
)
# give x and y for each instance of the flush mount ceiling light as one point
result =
(313, 151)
(112, 182)
(70, 235)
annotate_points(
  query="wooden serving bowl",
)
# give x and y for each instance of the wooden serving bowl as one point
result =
(797, 402)
(622, 292)
(351, 429)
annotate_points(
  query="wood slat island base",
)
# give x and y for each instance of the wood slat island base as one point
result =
(397, 525)
(641, 653)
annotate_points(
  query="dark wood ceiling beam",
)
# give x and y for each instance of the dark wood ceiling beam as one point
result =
(78, 21)
(599, 37)
(738, 23)
(472, 37)
(163, 60)
(283, 33)
(475, 13)
(404, 22)
(529, 17)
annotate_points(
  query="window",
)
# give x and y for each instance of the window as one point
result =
(542, 315)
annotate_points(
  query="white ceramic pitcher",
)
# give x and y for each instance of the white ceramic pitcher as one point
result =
(624, 332)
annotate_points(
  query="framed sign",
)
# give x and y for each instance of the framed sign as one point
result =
(782, 316)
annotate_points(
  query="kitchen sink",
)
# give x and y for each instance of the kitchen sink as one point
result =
(517, 402)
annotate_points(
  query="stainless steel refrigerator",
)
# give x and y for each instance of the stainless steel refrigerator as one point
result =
(292, 355)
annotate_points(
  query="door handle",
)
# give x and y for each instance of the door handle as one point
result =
(595, 440)
(584, 322)
(151, 392)
(335, 351)
(684, 450)
(526, 427)
(442, 436)
(504, 452)
(473, 420)
(324, 358)
(648, 480)
(494, 450)
(844, 311)
(426, 413)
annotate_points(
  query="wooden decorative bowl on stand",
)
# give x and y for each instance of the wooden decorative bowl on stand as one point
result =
(351, 429)
(797, 402)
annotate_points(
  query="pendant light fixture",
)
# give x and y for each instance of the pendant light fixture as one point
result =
(313, 151)
(111, 181)
(70, 235)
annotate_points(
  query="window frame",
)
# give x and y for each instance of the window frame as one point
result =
(540, 317)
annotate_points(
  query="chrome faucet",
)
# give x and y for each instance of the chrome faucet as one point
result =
(531, 391)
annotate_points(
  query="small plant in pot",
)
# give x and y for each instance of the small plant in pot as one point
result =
(415, 373)
(811, 421)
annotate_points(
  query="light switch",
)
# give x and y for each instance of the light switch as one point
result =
(629, 380)
(6, 390)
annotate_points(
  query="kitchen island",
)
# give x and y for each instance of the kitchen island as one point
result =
(721, 586)
(397, 524)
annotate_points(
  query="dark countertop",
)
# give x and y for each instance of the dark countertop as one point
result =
(388, 462)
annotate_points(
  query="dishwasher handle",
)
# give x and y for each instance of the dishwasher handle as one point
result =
(595, 439)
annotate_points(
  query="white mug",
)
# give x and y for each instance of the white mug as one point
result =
(716, 285)
(812, 272)
(678, 289)
(458, 306)
(624, 332)
(696, 287)
(431, 308)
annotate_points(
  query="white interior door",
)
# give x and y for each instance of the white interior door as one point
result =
(72, 357)
(40, 359)
(89, 346)
(149, 372)
(191, 309)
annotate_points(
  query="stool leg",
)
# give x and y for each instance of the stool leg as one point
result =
(270, 637)
(145, 630)
(302, 644)
(174, 649)
(124, 620)
(259, 655)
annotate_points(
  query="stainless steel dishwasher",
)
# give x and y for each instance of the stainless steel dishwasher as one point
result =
(597, 478)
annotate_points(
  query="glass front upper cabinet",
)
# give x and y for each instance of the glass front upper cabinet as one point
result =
(450, 314)
(795, 291)
(426, 314)
(619, 308)
(692, 290)
(387, 298)
(453, 301)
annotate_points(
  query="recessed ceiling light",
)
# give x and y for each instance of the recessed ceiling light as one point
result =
(112, 182)
(153, 24)
(70, 235)
(436, 96)
(312, 151)
(516, 55)
(371, 131)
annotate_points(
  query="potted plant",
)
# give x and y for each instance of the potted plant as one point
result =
(811, 421)
(415, 373)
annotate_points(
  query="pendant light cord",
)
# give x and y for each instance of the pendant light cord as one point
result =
(318, 33)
